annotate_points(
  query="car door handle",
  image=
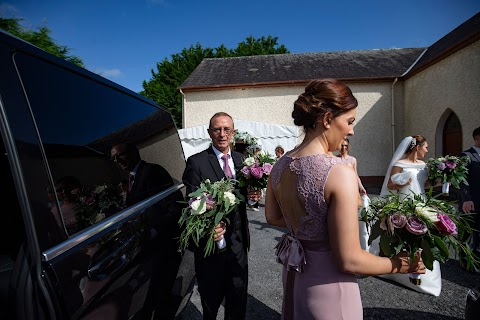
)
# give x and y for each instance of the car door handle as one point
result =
(112, 262)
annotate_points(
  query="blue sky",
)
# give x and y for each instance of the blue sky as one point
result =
(123, 40)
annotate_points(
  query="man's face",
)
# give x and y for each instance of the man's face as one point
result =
(476, 139)
(221, 132)
(121, 157)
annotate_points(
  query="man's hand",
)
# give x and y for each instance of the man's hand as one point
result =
(468, 206)
(220, 229)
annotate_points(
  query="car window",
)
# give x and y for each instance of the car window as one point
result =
(78, 121)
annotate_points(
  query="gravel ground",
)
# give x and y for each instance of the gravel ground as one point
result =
(381, 299)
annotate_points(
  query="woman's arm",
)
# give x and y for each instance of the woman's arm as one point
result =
(394, 186)
(273, 213)
(341, 191)
(360, 185)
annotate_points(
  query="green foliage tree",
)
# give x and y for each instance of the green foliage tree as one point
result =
(40, 38)
(170, 74)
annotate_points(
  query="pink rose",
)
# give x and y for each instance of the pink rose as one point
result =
(451, 164)
(416, 226)
(246, 172)
(267, 168)
(398, 220)
(256, 171)
(445, 224)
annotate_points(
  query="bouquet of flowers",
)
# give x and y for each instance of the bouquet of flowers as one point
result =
(255, 172)
(418, 223)
(208, 205)
(95, 203)
(450, 169)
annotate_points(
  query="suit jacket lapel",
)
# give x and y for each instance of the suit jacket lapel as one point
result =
(212, 158)
(474, 154)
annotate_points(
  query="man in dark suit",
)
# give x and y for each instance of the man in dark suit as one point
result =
(223, 274)
(469, 199)
(145, 180)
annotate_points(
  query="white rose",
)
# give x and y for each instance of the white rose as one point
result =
(427, 212)
(230, 196)
(195, 205)
(249, 161)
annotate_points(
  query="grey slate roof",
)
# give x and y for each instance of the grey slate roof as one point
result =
(277, 69)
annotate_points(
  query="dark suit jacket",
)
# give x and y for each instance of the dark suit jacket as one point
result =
(204, 165)
(472, 191)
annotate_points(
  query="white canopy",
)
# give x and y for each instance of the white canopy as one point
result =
(196, 139)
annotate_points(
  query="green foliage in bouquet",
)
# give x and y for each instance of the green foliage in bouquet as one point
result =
(207, 206)
(419, 222)
(449, 169)
(93, 204)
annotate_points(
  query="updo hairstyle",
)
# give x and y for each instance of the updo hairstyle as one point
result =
(417, 140)
(322, 96)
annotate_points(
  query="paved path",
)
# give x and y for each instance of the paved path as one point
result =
(381, 299)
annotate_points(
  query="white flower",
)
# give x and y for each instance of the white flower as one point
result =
(230, 196)
(427, 212)
(249, 161)
(195, 205)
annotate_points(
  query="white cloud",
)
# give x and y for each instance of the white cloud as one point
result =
(109, 73)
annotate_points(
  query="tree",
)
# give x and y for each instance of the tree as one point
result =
(162, 87)
(40, 38)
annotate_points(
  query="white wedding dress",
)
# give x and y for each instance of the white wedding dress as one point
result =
(431, 280)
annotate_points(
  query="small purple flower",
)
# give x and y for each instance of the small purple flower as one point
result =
(209, 201)
(246, 172)
(398, 220)
(441, 166)
(267, 168)
(451, 164)
(445, 224)
(257, 171)
(416, 226)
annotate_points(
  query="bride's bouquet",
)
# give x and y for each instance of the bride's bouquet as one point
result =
(255, 172)
(207, 206)
(450, 169)
(418, 223)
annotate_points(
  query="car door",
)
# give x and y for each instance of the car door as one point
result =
(81, 252)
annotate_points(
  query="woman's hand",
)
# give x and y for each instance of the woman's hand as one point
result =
(403, 264)
(220, 230)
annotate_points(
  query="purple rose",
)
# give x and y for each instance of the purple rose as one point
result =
(441, 166)
(246, 172)
(398, 220)
(267, 168)
(445, 224)
(256, 171)
(451, 164)
(416, 226)
(209, 201)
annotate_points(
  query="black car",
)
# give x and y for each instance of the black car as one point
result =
(71, 247)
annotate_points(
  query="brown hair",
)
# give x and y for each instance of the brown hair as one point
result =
(322, 96)
(419, 141)
(280, 148)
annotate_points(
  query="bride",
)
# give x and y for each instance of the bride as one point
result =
(407, 175)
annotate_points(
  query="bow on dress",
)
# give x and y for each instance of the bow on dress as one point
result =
(290, 253)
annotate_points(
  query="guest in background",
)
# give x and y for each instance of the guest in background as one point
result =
(469, 196)
(350, 161)
(279, 151)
